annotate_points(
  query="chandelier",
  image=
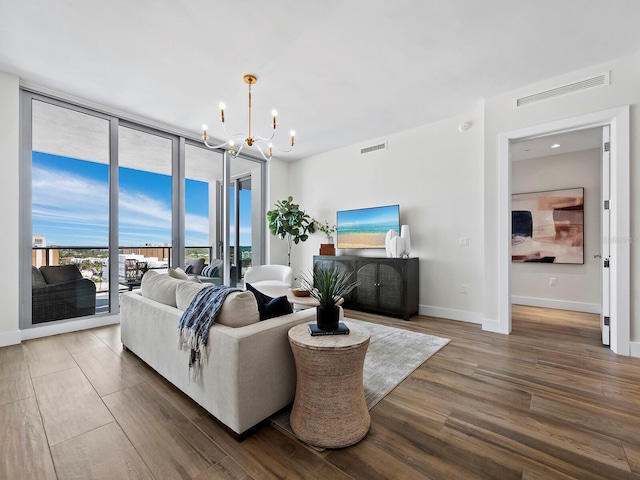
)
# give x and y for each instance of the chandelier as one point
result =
(247, 138)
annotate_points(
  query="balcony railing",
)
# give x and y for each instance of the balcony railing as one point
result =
(71, 254)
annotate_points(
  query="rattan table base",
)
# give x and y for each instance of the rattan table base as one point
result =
(329, 410)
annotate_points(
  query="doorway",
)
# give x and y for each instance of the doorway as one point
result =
(618, 120)
(557, 221)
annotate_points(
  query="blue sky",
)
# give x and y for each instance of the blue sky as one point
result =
(70, 205)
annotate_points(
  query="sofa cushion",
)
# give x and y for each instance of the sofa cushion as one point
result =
(37, 280)
(177, 273)
(160, 288)
(238, 310)
(196, 265)
(185, 292)
(209, 271)
(60, 273)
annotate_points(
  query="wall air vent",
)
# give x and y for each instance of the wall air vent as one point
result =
(373, 148)
(587, 83)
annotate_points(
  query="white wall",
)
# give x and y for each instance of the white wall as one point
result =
(434, 173)
(9, 195)
(578, 286)
(501, 117)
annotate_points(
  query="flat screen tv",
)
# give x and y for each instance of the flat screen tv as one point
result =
(367, 227)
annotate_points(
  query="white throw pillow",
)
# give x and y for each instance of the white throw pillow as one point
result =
(238, 310)
(185, 293)
(178, 273)
(160, 288)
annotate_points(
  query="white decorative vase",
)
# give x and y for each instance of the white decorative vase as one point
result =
(387, 239)
(396, 246)
(405, 233)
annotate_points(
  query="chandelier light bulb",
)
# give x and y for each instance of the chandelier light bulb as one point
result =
(221, 106)
(274, 113)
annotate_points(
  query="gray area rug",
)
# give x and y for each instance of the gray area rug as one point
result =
(393, 354)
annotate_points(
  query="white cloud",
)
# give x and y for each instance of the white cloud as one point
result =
(73, 209)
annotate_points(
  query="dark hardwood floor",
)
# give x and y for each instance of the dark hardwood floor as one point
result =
(547, 402)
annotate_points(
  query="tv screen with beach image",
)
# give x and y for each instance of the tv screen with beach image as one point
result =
(367, 227)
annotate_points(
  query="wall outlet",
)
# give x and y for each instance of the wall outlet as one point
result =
(464, 289)
(463, 241)
(553, 281)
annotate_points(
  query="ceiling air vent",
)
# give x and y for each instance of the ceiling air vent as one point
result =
(597, 81)
(373, 148)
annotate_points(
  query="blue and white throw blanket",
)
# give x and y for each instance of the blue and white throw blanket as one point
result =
(196, 321)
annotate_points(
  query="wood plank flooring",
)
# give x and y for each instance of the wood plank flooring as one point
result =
(547, 402)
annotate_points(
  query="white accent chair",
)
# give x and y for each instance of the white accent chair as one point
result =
(269, 276)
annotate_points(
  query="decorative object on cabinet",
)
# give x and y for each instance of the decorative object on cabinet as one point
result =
(405, 233)
(385, 285)
(327, 229)
(327, 249)
(387, 240)
(398, 246)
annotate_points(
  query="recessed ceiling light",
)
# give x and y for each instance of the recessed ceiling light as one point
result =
(555, 145)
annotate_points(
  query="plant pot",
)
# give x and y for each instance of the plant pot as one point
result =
(328, 318)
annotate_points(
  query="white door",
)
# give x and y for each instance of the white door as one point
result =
(605, 318)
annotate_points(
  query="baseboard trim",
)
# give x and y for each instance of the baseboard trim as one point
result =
(66, 327)
(557, 304)
(489, 325)
(450, 314)
(9, 338)
(634, 349)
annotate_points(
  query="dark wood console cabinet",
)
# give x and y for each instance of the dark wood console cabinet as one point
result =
(385, 285)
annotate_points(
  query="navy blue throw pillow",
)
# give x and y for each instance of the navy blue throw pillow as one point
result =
(269, 307)
(277, 307)
(261, 298)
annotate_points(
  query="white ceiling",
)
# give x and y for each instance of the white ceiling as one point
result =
(545, 146)
(338, 71)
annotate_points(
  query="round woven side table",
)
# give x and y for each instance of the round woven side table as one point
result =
(329, 409)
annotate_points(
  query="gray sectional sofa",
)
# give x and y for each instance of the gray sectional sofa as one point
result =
(248, 372)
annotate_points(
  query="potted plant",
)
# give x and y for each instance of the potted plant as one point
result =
(327, 229)
(327, 248)
(288, 222)
(328, 286)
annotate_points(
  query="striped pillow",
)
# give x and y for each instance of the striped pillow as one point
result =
(209, 271)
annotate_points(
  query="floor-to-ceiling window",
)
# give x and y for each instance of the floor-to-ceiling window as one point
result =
(70, 212)
(202, 222)
(113, 198)
(240, 219)
(144, 202)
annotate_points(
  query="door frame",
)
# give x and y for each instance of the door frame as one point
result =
(618, 119)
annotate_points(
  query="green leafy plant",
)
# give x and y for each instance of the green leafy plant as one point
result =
(288, 222)
(325, 228)
(328, 285)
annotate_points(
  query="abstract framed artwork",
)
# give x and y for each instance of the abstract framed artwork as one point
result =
(548, 227)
